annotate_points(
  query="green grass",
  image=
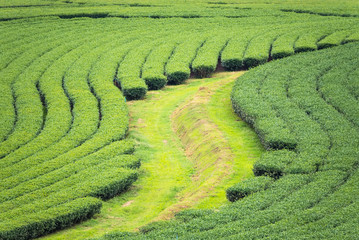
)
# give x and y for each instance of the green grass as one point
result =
(242, 140)
(169, 179)
(222, 147)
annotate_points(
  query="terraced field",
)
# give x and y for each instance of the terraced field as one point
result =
(67, 69)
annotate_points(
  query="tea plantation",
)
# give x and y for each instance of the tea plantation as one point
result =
(69, 68)
(306, 185)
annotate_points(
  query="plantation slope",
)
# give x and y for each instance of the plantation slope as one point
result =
(306, 184)
(67, 69)
(168, 181)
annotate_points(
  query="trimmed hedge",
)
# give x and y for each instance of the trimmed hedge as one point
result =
(178, 66)
(155, 81)
(133, 88)
(283, 46)
(207, 56)
(179, 76)
(334, 39)
(273, 163)
(129, 72)
(354, 37)
(258, 49)
(38, 224)
(232, 54)
(308, 41)
(247, 187)
(154, 67)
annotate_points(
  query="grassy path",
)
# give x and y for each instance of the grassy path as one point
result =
(174, 175)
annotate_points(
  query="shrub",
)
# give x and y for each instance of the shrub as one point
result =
(273, 163)
(133, 88)
(247, 187)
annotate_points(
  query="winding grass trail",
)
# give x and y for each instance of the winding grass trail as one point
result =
(192, 148)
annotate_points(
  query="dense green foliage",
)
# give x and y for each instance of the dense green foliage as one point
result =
(66, 142)
(313, 192)
(153, 69)
(68, 67)
(58, 217)
(247, 187)
(179, 8)
(206, 59)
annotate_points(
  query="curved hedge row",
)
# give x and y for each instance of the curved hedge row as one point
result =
(207, 56)
(58, 135)
(153, 68)
(76, 151)
(178, 66)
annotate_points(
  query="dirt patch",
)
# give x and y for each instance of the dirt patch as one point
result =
(127, 203)
(219, 67)
(140, 121)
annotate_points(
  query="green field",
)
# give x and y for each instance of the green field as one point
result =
(117, 114)
(163, 151)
